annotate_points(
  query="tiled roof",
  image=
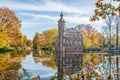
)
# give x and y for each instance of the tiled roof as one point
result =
(71, 31)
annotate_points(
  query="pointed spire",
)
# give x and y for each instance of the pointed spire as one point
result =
(61, 17)
(61, 14)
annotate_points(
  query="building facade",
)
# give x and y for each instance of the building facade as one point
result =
(68, 48)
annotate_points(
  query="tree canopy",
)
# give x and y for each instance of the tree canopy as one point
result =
(90, 37)
(10, 34)
(105, 8)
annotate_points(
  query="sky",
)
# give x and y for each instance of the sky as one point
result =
(40, 15)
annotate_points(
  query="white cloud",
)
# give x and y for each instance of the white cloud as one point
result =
(48, 5)
(38, 16)
(69, 18)
(29, 24)
(74, 19)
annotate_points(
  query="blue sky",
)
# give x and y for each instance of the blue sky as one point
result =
(40, 15)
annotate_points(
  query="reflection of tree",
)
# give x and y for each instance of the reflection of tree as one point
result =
(50, 63)
(99, 71)
(45, 58)
(9, 65)
(94, 58)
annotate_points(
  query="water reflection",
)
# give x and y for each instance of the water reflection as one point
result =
(39, 64)
(26, 65)
(98, 67)
(10, 64)
(47, 59)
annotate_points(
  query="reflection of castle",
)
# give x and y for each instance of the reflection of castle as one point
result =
(68, 48)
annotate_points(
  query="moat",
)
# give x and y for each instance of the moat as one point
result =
(27, 65)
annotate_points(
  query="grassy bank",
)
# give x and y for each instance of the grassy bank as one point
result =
(5, 50)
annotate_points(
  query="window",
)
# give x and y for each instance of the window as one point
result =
(76, 43)
(70, 59)
(70, 37)
(66, 59)
(58, 44)
(70, 43)
(79, 42)
(63, 44)
(66, 37)
(75, 37)
(75, 48)
(60, 24)
(66, 44)
(63, 37)
(62, 30)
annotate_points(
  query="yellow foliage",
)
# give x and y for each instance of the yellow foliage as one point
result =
(90, 37)
(4, 40)
(87, 58)
(50, 35)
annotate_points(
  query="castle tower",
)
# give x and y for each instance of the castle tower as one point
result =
(68, 49)
(61, 46)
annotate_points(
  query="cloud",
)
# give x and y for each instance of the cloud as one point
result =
(45, 13)
(69, 18)
(38, 16)
(28, 24)
(48, 5)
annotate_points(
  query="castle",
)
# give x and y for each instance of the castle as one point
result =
(68, 48)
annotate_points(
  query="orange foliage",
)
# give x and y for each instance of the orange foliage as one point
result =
(90, 36)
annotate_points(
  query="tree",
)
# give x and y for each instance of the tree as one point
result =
(80, 27)
(117, 24)
(29, 43)
(90, 37)
(16, 39)
(36, 41)
(10, 25)
(103, 9)
(108, 30)
(4, 40)
(8, 20)
(50, 36)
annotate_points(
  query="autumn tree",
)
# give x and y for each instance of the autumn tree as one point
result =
(103, 10)
(26, 43)
(36, 41)
(4, 40)
(10, 34)
(80, 27)
(10, 25)
(106, 8)
(90, 37)
(50, 36)
(29, 43)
